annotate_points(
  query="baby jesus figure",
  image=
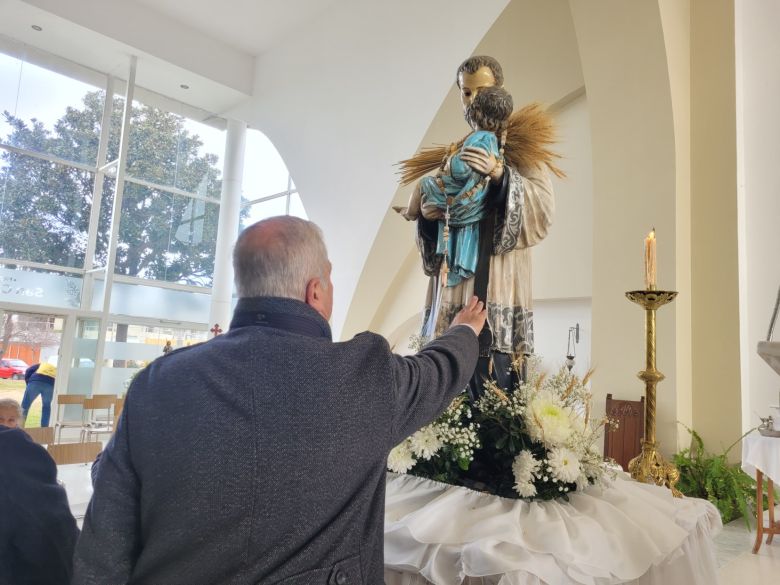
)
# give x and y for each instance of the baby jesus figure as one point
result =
(456, 195)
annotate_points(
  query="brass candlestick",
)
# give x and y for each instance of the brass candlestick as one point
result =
(650, 466)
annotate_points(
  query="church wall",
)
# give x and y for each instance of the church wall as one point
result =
(563, 262)
(714, 212)
(552, 319)
(676, 24)
(626, 74)
(758, 143)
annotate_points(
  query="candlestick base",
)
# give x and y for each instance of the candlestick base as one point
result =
(650, 467)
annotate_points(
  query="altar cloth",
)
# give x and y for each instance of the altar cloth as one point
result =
(626, 532)
(759, 452)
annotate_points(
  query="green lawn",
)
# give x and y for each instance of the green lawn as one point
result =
(15, 389)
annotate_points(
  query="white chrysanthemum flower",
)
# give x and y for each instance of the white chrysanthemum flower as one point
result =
(548, 421)
(401, 459)
(525, 466)
(565, 464)
(526, 489)
(426, 442)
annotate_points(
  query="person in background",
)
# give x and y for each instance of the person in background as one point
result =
(40, 382)
(37, 531)
(10, 413)
(167, 348)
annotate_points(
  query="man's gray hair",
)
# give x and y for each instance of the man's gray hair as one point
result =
(11, 404)
(278, 256)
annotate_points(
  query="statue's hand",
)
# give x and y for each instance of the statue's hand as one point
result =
(404, 211)
(482, 162)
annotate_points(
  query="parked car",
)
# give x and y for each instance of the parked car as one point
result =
(13, 369)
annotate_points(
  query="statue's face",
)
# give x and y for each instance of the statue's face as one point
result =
(471, 83)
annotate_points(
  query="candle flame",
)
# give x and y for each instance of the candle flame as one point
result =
(651, 235)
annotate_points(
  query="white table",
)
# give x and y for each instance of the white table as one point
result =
(78, 484)
(625, 533)
(761, 457)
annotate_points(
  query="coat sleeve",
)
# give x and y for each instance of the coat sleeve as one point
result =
(427, 382)
(110, 540)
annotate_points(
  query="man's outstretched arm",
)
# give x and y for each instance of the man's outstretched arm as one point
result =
(427, 382)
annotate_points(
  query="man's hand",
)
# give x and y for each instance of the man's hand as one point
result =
(482, 162)
(473, 315)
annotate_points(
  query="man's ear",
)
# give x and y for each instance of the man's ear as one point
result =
(314, 295)
(312, 291)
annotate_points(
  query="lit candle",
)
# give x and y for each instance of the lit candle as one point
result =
(650, 261)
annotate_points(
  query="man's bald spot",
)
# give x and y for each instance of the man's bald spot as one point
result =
(269, 235)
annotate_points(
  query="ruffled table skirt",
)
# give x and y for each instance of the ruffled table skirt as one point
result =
(625, 533)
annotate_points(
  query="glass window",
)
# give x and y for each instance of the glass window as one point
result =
(44, 210)
(296, 206)
(129, 348)
(47, 112)
(264, 209)
(264, 170)
(149, 301)
(82, 368)
(104, 222)
(166, 237)
(172, 151)
(40, 287)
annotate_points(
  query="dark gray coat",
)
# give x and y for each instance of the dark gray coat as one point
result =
(259, 456)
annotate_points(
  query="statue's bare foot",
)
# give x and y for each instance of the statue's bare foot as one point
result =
(404, 211)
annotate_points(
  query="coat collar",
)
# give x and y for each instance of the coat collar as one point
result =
(280, 313)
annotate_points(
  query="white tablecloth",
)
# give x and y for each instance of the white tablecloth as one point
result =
(626, 533)
(78, 485)
(759, 452)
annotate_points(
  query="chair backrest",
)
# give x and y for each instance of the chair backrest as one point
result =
(119, 405)
(70, 398)
(98, 407)
(41, 435)
(65, 453)
(101, 401)
(625, 442)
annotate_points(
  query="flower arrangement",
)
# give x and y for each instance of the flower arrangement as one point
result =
(537, 442)
(442, 449)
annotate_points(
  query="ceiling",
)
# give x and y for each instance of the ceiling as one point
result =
(102, 38)
(251, 26)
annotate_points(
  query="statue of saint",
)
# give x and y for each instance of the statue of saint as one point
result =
(476, 226)
(458, 193)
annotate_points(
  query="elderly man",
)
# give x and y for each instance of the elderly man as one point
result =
(37, 531)
(272, 469)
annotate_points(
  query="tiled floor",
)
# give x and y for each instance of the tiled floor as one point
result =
(738, 565)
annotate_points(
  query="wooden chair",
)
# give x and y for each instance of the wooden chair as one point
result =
(118, 406)
(625, 442)
(65, 453)
(97, 415)
(41, 435)
(62, 400)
